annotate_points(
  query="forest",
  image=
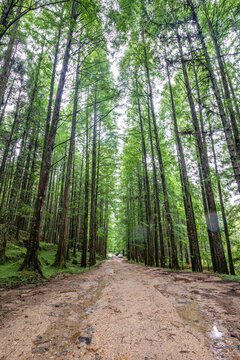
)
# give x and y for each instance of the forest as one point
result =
(119, 132)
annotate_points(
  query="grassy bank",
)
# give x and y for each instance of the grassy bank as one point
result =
(11, 277)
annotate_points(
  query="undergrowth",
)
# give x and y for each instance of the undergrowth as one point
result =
(11, 277)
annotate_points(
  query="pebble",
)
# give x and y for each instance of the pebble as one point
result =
(85, 339)
(64, 352)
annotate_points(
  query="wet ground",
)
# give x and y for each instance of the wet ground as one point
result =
(121, 311)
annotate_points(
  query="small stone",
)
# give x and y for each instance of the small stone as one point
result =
(85, 339)
(26, 316)
(90, 330)
(64, 352)
(40, 350)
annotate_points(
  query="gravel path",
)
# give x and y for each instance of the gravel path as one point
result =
(121, 311)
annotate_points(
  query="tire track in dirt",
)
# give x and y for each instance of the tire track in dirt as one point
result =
(122, 311)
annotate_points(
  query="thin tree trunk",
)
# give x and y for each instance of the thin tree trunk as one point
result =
(92, 230)
(148, 197)
(174, 254)
(156, 191)
(86, 200)
(190, 217)
(230, 260)
(60, 260)
(15, 122)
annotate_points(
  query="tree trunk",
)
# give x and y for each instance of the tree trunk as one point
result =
(86, 200)
(230, 260)
(227, 95)
(92, 230)
(31, 261)
(60, 260)
(217, 253)
(190, 217)
(8, 57)
(225, 123)
(156, 192)
(174, 254)
(148, 197)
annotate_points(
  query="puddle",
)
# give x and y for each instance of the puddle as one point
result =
(71, 326)
(214, 334)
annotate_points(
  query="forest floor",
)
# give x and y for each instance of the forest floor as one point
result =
(122, 311)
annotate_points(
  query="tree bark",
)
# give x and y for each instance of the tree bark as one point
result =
(190, 217)
(92, 230)
(230, 260)
(31, 261)
(148, 197)
(60, 260)
(86, 200)
(225, 123)
(174, 255)
(217, 253)
(156, 191)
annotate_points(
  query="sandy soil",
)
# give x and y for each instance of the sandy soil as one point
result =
(121, 311)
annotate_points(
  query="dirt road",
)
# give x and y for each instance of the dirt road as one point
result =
(121, 311)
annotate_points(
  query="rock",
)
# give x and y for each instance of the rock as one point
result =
(85, 339)
(40, 350)
(64, 352)
(92, 348)
(90, 330)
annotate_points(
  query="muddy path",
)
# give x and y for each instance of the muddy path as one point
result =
(121, 311)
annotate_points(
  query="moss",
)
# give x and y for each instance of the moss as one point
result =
(11, 277)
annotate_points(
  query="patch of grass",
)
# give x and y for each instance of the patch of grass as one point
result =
(11, 277)
(229, 277)
(137, 263)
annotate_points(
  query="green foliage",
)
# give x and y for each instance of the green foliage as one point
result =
(11, 277)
